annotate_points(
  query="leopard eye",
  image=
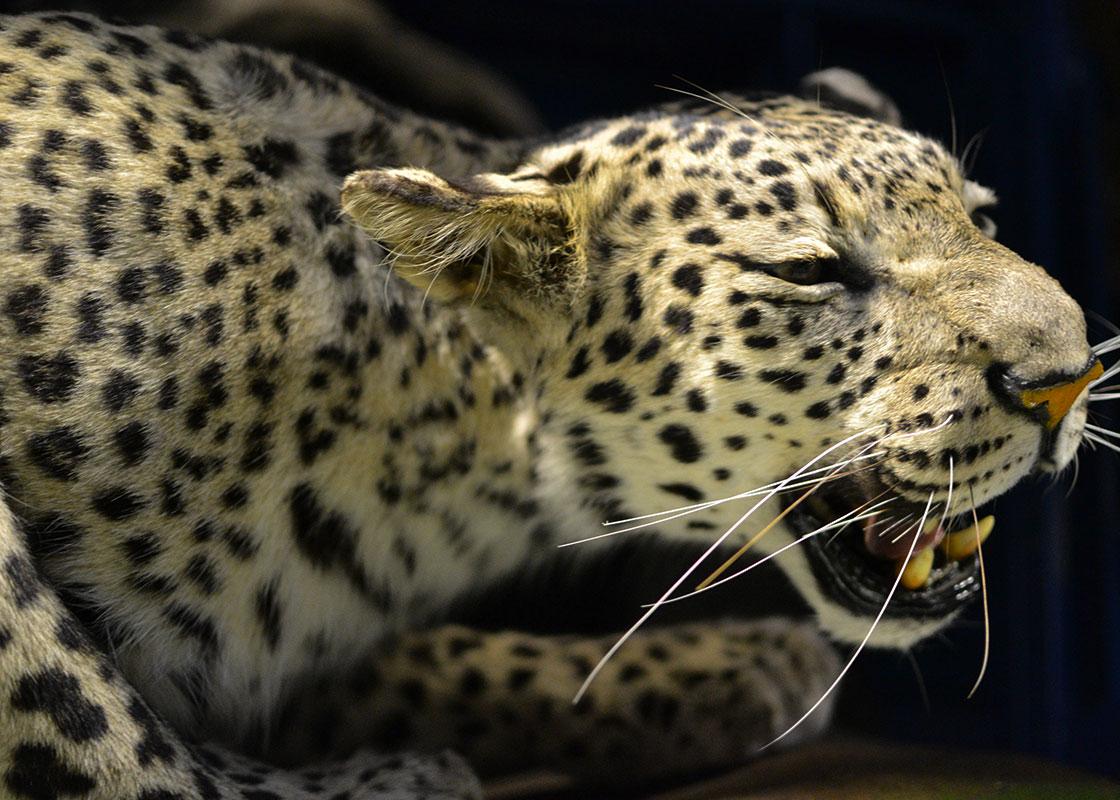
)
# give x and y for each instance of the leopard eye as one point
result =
(809, 272)
(799, 272)
(985, 223)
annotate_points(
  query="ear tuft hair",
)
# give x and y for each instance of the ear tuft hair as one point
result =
(456, 239)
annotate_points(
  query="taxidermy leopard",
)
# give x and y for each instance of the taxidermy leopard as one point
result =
(285, 371)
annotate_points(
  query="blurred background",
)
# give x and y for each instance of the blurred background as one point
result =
(1039, 80)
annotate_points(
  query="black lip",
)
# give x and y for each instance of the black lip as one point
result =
(854, 581)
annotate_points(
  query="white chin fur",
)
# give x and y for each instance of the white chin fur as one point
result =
(1069, 436)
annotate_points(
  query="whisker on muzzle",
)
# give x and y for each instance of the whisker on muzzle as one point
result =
(984, 595)
(862, 644)
(705, 555)
(840, 522)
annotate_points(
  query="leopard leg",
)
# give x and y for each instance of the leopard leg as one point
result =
(672, 700)
(71, 726)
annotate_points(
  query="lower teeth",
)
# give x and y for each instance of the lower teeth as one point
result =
(957, 545)
(915, 572)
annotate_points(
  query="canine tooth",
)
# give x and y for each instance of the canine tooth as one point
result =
(915, 573)
(931, 525)
(962, 543)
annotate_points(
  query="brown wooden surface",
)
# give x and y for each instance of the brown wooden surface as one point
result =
(845, 769)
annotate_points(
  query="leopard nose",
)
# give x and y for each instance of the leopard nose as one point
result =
(1052, 401)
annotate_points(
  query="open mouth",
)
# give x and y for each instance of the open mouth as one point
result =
(857, 564)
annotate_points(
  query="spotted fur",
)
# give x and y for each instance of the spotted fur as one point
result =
(242, 454)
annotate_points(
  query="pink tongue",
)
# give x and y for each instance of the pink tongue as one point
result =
(894, 544)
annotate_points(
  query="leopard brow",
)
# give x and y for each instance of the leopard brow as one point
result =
(748, 264)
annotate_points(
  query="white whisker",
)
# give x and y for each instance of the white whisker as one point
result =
(1106, 346)
(837, 523)
(1103, 442)
(682, 510)
(891, 527)
(688, 510)
(984, 588)
(949, 498)
(1108, 373)
(1102, 431)
(703, 557)
(1076, 473)
(702, 506)
(871, 630)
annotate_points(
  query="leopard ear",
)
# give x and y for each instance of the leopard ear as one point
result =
(848, 91)
(486, 239)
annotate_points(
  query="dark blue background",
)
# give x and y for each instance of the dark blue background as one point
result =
(1024, 72)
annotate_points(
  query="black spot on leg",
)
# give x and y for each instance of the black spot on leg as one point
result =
(119, 390)
(59, 695)
(154, 744)
(193, 625)
(130, 285)
(151, 210)
(472, 683)
(49, 379)
(97, 215)
(32, 222)
(26, 307)
(58, 452)
(137, 137)
(23, 583)
(201, 572)
(38, 772)
(179, 170)
(94, 156)
(118, 503)
(132, 443)
(75, 99)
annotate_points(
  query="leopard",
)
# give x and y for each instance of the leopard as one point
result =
(286, 371)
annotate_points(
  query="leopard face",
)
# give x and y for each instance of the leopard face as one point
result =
(713, 300)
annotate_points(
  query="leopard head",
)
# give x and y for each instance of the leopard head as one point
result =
(764, 292)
